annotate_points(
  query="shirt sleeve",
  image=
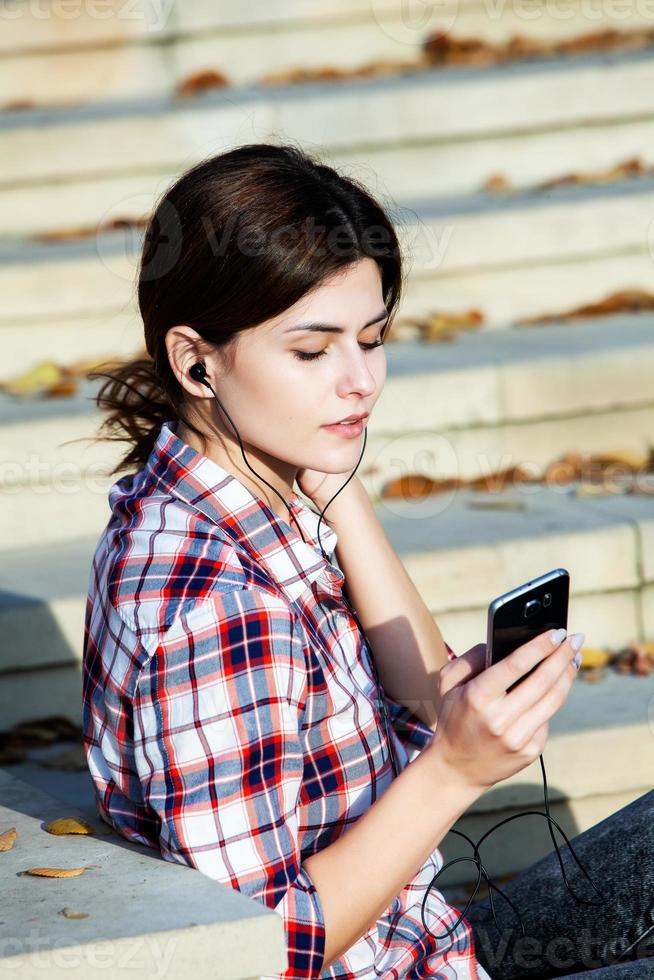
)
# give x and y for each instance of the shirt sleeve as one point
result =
(411, 731)
(217, 716)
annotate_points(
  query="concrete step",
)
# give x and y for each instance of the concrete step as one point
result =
(576, 797)
(598, 758)
(143, 20)
(581, 791)
(443, 240)
(457, 552)
(154, 925)
(147, 23)
(65, 341)
(460, 103)
(155, 64)
(599, 753)
(505, 295)
(406, 171)
(520, 843)
(464, 409)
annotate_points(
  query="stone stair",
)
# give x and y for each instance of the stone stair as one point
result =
(460, 554)
(101, 135)
(464, 409)
(141, 912)
(149, 48)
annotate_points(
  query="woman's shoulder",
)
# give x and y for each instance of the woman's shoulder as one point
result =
(163, 560)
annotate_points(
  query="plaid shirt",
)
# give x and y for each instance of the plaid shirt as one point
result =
(230, 714)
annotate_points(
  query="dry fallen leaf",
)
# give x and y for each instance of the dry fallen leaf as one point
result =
(68, 825)
(45, 730)
(631, 167)
(77, 232)
(415, 486)
(17, 104)
(35, 734)
(7, 839)
(496, 183)
(637, 658)
(594, 657)
(72, 914)
(35, 381)
(200, 81)
(55, 872)
(443, 49)
(622, 301)
(441, 325)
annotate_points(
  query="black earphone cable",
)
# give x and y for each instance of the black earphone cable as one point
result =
(198, 373)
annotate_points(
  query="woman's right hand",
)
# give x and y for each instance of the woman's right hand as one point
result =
(485, 734)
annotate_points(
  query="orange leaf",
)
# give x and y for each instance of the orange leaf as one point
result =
(55, 872)
(72, 914)
(68, 825)
(7, 839)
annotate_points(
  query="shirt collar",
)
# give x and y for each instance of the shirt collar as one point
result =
(275, 543)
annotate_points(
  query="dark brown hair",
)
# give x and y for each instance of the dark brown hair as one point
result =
(235, 241)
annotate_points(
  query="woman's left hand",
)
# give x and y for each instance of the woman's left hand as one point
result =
(320, 487)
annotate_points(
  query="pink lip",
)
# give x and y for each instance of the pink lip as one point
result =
(350, 431)
(350, 418)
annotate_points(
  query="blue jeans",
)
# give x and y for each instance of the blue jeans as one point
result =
(562, 938)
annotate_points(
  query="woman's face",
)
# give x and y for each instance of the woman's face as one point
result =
(288, 381)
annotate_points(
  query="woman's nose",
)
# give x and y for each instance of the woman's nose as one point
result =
(358, 376)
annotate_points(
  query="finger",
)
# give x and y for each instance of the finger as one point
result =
(494, 681)
(530, 720)
(547, 674)
(466, 665)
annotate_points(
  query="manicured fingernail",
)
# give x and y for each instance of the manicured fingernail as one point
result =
(577, 640)
(558, 636)
(577, 659)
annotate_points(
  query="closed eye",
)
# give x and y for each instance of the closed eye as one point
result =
(306, 356)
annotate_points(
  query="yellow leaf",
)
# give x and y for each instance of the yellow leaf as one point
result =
(594, 657)
(55, 872)
(68, 825)
(7, 839)
(34, 381)
(72, 914)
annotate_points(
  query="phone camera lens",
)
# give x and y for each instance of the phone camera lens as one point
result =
(531, 607)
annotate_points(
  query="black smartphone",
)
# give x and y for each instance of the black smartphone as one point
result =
(526, 611)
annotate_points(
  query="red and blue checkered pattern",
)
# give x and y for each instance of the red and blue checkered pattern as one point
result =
(230, 714)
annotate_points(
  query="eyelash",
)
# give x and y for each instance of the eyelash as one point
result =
(306, 356)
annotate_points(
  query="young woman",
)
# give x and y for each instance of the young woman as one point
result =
(235, 716)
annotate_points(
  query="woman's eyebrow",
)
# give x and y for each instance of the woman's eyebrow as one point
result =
(330, 328)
